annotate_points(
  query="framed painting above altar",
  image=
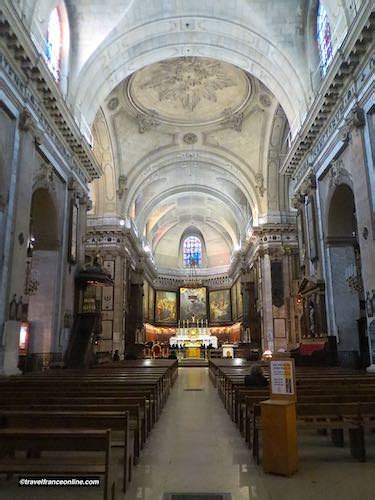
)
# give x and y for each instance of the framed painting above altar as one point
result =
(193, 303)
(165, 307)
(220, 308)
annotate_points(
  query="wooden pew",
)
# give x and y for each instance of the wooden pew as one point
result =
(133, 410)
(133, 386)
(59, 440)
(117, 422)
(343, 387)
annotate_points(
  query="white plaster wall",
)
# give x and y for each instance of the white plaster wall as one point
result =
(346, 302)
(42, 306)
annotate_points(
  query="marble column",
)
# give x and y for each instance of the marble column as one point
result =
(268, 342)
(135, 316)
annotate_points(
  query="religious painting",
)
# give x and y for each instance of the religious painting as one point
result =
(151, 303)
(166, 307)
(193, 304)
(145, 300)
(234, 302)
(239, 300)
(220, 309)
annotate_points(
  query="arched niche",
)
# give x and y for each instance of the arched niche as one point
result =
(345, 268)
(341, 215)
(43, 263)
(43, 224)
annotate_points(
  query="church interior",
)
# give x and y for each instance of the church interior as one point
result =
(187, 208)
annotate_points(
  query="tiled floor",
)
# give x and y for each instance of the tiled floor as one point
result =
(195, 447)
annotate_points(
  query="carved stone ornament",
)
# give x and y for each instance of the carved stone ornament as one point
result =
(26, 121)
(190, 138)
(298, 200)
(82, 198)
(188, 80)
(309, 184)
(45, 177)
(89, 205)
(259, 179)
(233, 121)
(339, 175)
(113, 103)
(146, 122)
(72, 184)
(357, 117)
(265, 100)
(344, 133)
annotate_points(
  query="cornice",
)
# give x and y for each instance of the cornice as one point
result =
(271, 239)
(26, 69)
(337, 90)
(120, 241)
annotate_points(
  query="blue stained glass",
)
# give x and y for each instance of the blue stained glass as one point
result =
(54, 43)
(192, 252)
(323, 30)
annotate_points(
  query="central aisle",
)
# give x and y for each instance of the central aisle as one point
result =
(194, 446)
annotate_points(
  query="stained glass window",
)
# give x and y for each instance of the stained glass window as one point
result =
(192, 251)
(54, 43)
(323, 30)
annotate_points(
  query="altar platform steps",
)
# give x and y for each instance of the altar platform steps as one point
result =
(192, 362)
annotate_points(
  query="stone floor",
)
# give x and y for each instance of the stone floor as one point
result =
(195, 447)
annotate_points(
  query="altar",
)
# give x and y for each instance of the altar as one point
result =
(193, 338)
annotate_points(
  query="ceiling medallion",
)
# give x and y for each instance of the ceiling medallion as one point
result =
(190, 91)
(190, 138)
(113, 103)
(189, 80)
(265, 100)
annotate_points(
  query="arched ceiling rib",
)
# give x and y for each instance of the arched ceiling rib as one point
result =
(189, 142)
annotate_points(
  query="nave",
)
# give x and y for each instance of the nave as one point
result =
(195, 447)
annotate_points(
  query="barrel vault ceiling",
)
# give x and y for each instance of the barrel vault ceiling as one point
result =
(185, 143)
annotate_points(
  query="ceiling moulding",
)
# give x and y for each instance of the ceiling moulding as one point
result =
(31, 75)
(188, 92)
(115, 240)
(333, 91)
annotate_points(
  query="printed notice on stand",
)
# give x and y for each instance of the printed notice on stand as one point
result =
(282, 378)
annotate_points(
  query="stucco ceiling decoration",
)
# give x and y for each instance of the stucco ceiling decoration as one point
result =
(189, 91)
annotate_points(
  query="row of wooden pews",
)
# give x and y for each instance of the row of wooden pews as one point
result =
(94, 411)
(330, 399)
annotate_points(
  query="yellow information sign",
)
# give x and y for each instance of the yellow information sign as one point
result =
(283, 381)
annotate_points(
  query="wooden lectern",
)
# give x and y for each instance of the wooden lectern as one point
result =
(279, 426)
